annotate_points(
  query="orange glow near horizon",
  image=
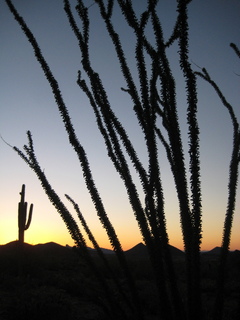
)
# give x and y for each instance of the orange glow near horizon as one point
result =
(62, 237)
(126, 245)
(47, 225)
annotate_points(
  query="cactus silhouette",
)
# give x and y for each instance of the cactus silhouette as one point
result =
(22, 216)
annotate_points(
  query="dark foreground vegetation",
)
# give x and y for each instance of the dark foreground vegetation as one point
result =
(55, 283)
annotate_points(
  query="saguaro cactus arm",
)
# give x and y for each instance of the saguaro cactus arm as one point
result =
(29, 217)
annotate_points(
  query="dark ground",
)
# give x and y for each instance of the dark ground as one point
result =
(53, 282)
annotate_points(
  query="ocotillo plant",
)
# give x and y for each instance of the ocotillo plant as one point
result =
(22, 216)
(153, 92)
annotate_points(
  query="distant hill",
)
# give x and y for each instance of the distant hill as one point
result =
(105, 251)
(233, 256)
(176, 252)
(13, 245)
(214, 251)
(50, 247)
(140, 251)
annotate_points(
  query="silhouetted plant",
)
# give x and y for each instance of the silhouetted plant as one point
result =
(71, 224)
(153, 100)
(22, 216)
(232, 188)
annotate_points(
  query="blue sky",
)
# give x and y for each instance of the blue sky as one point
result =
(26, 103)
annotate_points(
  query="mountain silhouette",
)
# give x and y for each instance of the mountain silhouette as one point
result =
(46, 248)
(214, 251)
(13, 245)
(50, 247)
(140, 251)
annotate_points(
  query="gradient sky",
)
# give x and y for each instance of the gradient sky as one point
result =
(26, 103)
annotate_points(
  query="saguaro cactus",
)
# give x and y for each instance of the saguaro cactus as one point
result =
(22, 216)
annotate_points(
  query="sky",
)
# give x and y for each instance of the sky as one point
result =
(26, 103)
